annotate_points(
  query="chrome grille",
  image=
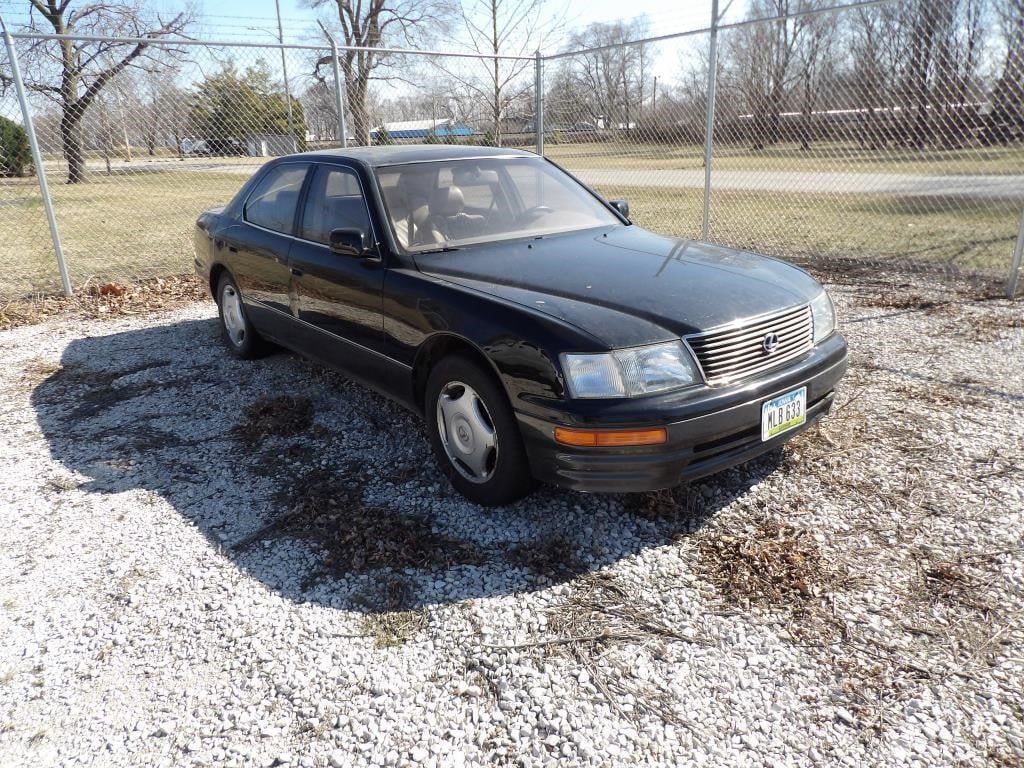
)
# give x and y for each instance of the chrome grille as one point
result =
(737, 350)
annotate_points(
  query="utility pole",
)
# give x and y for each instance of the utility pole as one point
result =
(284, 71)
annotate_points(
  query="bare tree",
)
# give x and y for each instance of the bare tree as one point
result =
(761, 65)
(73, 73)
(372, 24)
(816, 65)
(1008, 98)
(606, 84)
(500, 27)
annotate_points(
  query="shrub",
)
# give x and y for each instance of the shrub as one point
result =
(489, 139)
(14, 149)
(383, 137)
(432, 138)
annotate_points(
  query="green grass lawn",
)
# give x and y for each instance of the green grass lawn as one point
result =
(122, 227)
(952, 232)
(822, 156)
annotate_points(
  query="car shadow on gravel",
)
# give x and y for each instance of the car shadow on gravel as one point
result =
(319, 488)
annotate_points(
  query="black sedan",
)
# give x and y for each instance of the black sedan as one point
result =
(542, 335)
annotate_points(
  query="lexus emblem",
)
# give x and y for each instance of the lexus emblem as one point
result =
(770, 342)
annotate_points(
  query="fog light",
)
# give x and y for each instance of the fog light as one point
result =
(610, 438)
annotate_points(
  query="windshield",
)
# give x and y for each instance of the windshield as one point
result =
(459, 202)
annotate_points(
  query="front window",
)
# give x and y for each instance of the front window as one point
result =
(460, 202)
(334, 201)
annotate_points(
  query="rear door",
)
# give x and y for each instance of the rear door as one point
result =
(337, 294)
(255, 248)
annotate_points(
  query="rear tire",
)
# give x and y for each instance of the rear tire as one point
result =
(474, 433)
(236, 329)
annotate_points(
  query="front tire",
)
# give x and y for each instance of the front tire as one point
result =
(236, 329)
(474, 433)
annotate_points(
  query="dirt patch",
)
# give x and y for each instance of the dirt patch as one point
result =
(903, 301)
(325, 509)
(554, 557)
(774, 564)
(282, 416)
(684, 502)
(106, 300)
(988, 328)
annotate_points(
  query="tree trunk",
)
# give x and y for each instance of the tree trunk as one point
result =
(359, 114)
(71, 142)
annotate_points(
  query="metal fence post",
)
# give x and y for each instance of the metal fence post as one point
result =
(37, 160)
(1018, 254)
(339, 104)
(538, 108)
(709, 119)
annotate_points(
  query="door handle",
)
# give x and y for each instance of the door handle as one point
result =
(296, 272)
(232, 249)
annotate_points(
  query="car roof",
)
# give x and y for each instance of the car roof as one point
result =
(409, 153)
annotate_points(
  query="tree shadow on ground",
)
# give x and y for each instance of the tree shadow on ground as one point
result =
(321, 489)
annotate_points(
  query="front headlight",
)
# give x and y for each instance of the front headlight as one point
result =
(630, 372)
(823, 315)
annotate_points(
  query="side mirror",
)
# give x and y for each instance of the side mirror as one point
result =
(621, 206)
(350, 242)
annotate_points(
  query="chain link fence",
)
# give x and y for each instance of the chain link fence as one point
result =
(890, 133)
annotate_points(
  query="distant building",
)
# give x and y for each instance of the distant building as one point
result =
(269, 144)
(420, 129)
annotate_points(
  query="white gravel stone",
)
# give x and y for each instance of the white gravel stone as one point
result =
(133, 633)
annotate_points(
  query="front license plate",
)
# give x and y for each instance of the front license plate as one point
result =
(783, 413)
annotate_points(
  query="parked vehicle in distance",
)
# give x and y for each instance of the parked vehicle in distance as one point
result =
(542, 336)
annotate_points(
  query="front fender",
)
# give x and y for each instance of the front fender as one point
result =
(521, 344)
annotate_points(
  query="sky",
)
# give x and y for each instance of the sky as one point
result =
(256, 19)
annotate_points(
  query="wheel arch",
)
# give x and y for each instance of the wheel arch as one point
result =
(216, 270)
(439, 346)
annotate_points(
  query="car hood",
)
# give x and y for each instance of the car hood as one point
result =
(627, 286)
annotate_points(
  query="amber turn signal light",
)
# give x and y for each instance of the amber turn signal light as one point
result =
(610, 438)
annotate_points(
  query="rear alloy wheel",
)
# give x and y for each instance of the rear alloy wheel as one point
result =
(242, 339)
(474, 433)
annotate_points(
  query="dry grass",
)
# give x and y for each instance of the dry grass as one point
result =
(104, 300)
(773, 564)
(904, 301)
(822, 156)
(394, 628)
(604, 620)
(121, 227)
(888, 230)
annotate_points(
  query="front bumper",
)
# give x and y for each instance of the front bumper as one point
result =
(700, 441)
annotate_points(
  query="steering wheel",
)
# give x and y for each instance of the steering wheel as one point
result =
(532, 213)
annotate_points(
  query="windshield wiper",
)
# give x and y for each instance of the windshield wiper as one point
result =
(441, 249)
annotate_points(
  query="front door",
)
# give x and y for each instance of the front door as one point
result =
(337, 294)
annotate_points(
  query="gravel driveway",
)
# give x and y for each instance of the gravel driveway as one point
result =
(212, 562)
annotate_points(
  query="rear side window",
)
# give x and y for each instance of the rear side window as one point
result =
(335, 201)
(272, 203)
